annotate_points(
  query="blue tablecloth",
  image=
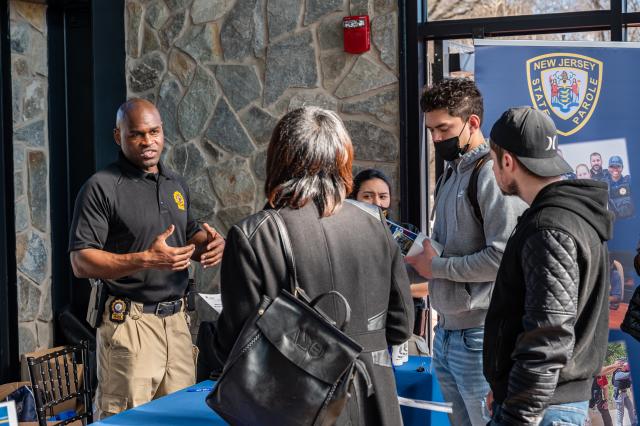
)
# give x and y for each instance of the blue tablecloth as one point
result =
(415, 379)
(187, 407)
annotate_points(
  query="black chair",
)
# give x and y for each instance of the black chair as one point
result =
(60, 376)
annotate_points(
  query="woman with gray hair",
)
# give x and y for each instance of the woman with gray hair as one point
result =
(336, 246)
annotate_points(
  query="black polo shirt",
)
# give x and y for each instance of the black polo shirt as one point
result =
(122, 209)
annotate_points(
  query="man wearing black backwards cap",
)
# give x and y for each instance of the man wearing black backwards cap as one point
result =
(547, 325)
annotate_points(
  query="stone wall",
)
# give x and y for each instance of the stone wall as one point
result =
(223, 71)
(31, 180)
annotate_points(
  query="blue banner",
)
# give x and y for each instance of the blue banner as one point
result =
(590, 91)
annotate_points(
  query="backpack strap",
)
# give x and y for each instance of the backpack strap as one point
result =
(288, 251)
(472, 188)
(441, 181)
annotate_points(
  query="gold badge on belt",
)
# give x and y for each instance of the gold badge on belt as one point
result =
(118, 310)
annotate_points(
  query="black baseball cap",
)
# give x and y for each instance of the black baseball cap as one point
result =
(531, 135)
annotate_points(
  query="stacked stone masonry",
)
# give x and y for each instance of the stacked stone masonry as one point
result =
(28, 34)
(222, 72)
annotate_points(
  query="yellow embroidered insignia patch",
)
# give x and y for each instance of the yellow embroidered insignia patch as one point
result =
(179, 199)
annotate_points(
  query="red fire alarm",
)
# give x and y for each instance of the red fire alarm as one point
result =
(357, 34)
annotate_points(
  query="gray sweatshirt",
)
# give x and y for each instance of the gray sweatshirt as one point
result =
(463, 277)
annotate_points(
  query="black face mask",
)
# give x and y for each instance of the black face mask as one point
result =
(449, 149)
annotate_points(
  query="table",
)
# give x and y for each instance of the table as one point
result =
(414, 384)
(185, 407)
(188, 407)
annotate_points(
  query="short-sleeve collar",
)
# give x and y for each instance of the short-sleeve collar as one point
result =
(130, 169)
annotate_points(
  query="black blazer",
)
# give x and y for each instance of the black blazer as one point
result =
(351, 252)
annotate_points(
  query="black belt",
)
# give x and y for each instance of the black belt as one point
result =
(163, 309)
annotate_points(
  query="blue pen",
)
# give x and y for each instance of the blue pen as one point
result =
(200, 390)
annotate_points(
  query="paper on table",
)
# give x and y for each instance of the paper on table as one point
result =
(213, 300)
(417, 248)
(443, 407)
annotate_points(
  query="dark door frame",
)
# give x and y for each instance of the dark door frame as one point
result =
(8, 282)
(413, 75)
(86, 86)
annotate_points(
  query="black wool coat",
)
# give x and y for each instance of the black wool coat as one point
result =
(349, 251)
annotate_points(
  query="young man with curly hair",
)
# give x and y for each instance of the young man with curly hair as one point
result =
(473, 235)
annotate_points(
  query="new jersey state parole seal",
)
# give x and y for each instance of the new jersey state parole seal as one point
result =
(566, 86)
(118, 309)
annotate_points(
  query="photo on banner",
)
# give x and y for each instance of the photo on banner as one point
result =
(589, 90)
(612, 399)
(607, 161)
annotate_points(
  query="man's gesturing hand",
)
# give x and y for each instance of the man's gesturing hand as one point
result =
(214, 249)
(162, 256)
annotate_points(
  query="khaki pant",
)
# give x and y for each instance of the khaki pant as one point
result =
(141, 359)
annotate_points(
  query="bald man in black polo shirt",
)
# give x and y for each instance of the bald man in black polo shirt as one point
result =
(132, 228)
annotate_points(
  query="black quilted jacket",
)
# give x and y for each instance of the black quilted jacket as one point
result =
(547, 326)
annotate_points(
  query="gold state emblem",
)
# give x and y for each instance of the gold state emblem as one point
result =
(566, 86)
(179, 199)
